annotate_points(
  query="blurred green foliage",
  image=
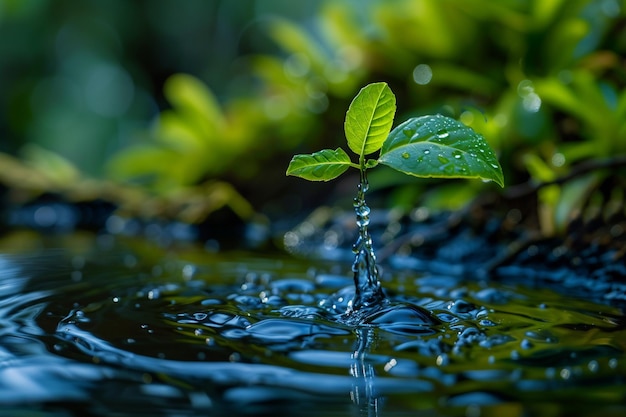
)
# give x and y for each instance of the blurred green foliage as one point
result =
(245, 86)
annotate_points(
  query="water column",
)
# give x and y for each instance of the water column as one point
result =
(368, 291)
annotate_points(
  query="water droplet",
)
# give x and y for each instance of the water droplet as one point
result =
(363, 210)
(442, 134)
(457, 154)
(426, 151)
(443, 159)
(494, 166)
(442, 360)
(408, 132)
(406, 155)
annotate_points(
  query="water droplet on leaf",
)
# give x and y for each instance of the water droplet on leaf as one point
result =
(426, 151)
(408, 132)
(406, 155)
(443, 159)
(442, 134)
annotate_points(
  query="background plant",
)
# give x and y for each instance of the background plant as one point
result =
(541, 80)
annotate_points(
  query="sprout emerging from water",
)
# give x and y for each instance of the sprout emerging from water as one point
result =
(426, 147)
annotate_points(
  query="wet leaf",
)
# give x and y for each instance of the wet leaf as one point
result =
(369, 118)
(324, 165)
(440, 147)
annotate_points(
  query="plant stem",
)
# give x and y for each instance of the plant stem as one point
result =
(368, 291)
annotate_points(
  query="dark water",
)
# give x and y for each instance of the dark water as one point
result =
(109, 326)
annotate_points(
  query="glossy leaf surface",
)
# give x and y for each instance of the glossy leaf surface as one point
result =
(440, 147)
(324, 165)
(369, 118)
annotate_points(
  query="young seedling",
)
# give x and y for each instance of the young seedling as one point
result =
(427, 147)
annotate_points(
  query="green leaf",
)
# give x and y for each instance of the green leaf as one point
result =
(369, 118)
(440, 147)
(195, 103)
(324, 165)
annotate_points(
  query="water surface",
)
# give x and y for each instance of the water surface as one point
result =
(112, 326)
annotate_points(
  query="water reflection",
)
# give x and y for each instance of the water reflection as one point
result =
(364, 394)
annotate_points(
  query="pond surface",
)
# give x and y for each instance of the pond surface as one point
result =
(116, 326)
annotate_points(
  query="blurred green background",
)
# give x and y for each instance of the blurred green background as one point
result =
(175, 108)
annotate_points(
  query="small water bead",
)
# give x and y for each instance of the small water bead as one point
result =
(443, 159)
(442, 134)
(448, 169)
(200, 316)
(470, 335)
(363, 221)
(526, 344)
(461, 307)
(364, 187)
(408, 132)
(363, 210)
(406, 155)
(426, 151)
(442, 360)
(272, 300)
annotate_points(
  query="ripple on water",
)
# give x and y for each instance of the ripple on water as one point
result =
(250, 329)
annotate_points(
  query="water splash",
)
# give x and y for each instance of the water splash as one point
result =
(368, 291)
